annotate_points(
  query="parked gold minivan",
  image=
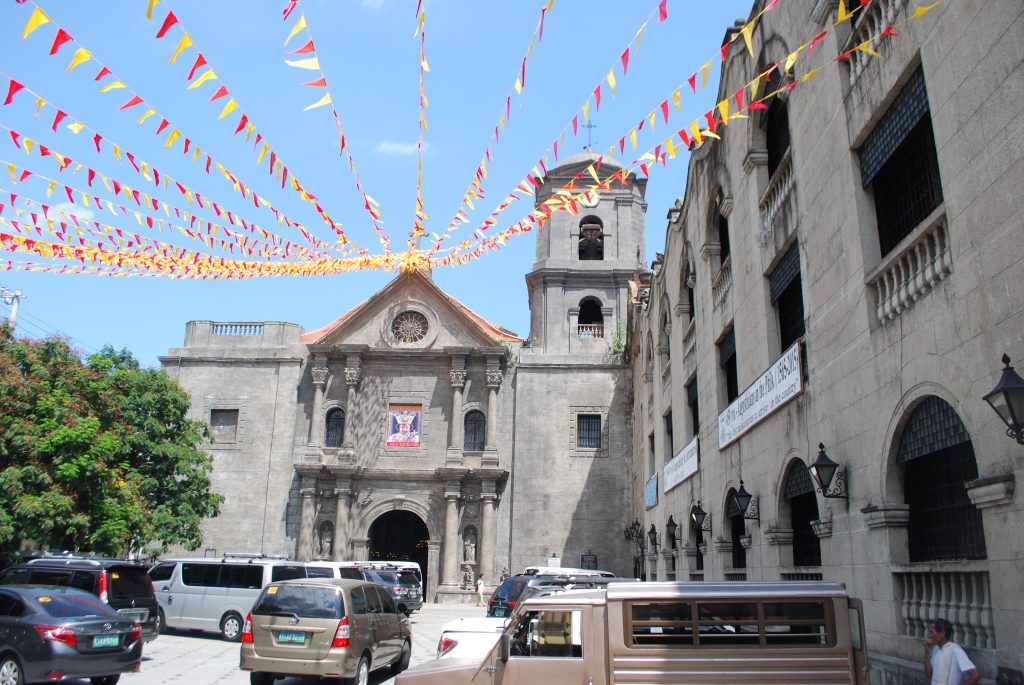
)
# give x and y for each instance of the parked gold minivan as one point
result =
(732, 633)
(324, 627)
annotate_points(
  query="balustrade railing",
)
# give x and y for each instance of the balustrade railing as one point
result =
(775, 205)
(722, 284)
(962, 597)
(736, 575)
(689, 342)
(590, 330)
(871, 21)
(237, 329)
(911, 273)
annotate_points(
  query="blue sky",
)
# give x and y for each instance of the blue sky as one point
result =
(369, 53)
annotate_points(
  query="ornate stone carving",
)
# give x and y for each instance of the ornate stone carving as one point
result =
(320, 374)
(324, 545)
(364, 497)
(494, 378)
(353, 375)
(458, 377)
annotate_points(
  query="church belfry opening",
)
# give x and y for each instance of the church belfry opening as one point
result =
(591, 240)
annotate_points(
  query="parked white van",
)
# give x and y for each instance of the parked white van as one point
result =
(732, 633)
(215, 594)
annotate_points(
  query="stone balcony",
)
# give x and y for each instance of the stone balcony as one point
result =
(918, 264)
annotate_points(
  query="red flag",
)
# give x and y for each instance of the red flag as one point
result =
(200, 61)
(163, 124)
(135, 194)
(273, 159)
(71, 198)
(522, 77)
(643, 168)
(710, 117)
(188, 143)
(725, 50)
(136, 100)
(622, 145)
(131, 158)
(209, 161)
(102, 72)
(91, 177)
(739, 98)
(221, 92)
(305, 49)
(57, 119)
(556, 150)
(321, 82)
(664, 110)
(662, 11)
(576, 125)
(13, 88)
(542, 11)
(288, 9)
(597, 96)
(117, 187)
(693, 82)
(625, 61)
(170, 21)
(156, 179)
(96, 139)
(241, 123)
(59, 40)
(14, 138)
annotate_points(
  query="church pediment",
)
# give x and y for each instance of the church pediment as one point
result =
(411, 313)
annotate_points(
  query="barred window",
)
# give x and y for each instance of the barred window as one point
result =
(588, 431)
(475, 431)
(787, 295)
(803, 509)
(775, 121)
(224, 425)
(727, 360)
(900, 165)
(722, 227)
(334, 436)
(691, 401)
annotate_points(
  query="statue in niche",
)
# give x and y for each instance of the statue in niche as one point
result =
(467, 576)
(469, 545)
(325, 535)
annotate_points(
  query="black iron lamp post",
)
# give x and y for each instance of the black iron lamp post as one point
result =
(697, 517)
(823, 470)
(1007, 400)
(743, 500)
(654, 538)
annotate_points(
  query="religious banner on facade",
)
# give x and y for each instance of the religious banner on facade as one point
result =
(779, 384)
(651, 492)
(404, 425)
(682, 466)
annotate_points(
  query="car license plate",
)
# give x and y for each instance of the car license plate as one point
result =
(106, 640)
(500, 613)
(139, 615)
(291, 637)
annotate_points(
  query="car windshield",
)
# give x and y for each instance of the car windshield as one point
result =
(129, 581)
(408, 578)
(306, 601)
(72, 605)
(511, 589)
(389, 577)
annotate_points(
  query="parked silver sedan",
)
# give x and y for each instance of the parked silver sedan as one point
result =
(49, 633)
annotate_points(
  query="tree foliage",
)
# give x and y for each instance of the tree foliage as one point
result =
(97, 455)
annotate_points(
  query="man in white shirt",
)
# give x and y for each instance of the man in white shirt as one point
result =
(945, 662)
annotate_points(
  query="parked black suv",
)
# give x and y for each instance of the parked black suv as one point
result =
(403, 586)
(519, 588)
(123, 585)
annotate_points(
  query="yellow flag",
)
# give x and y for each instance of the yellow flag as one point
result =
(76, 127)
(39, 106)
(149, 10)
(810, 74)
(175, 133)
(842, 14)
(149, 112)
(228, 108)
(117, 153)
(632, 138)
(299, 25)
(723, 109)
(424, 65)
(590, 170)
(611, 80)
(704, 71)
(791, 59)
(695, 129)
(586, 112)
(677, 100)
(325, 100)
(652, 117)
(112, 85)
(519, 86)
(670, 146)
(186, 42)
(748, 29)
(636, 39)
(865, 47)
(309, 63)
(37, 19)
(81, 55)
(921, 11)
(10, 170)
(203, 78)
(50, 188)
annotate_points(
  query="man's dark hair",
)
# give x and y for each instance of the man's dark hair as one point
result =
(943, 626)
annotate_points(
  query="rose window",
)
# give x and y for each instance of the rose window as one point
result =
(409, 327)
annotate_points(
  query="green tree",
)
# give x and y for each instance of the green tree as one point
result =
(99, 455)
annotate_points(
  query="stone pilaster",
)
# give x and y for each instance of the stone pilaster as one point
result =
(450, 571)
(307, 513)
(353, 376)
(341, 521)
(494, 378)
(488, 533)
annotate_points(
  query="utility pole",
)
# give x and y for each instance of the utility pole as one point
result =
(11, 298)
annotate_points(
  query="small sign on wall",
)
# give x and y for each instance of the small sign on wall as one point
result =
(651, 492)
(778, 385)
(682, 466)
(404, 425)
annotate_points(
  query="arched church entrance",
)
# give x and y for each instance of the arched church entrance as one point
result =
(400, 535)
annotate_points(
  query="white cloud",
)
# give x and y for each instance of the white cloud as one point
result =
(83, 213)
(390, 147)
(374, 5)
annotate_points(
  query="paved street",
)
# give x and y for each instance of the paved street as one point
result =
(203, 658)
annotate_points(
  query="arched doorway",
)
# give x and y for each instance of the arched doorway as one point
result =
(803, 511)
(400, 536)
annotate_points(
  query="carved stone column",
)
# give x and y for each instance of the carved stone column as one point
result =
(456, 437)
(494, 377)
(488, 533)
(320, 375)
(353, 375)
(307, 512)
(341, 519)
(450, 573)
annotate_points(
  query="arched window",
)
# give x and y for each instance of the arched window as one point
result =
(803, 508)
(591, 319)
(475, 431)
(736, 530)
(721, 225)
(334, 435)
(938, 458)
(775, 122)
(591, 242)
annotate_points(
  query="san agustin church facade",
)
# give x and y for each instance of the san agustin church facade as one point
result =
(837, 287)
(411, 428)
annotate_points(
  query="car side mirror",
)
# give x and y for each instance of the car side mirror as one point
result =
(505, 647)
